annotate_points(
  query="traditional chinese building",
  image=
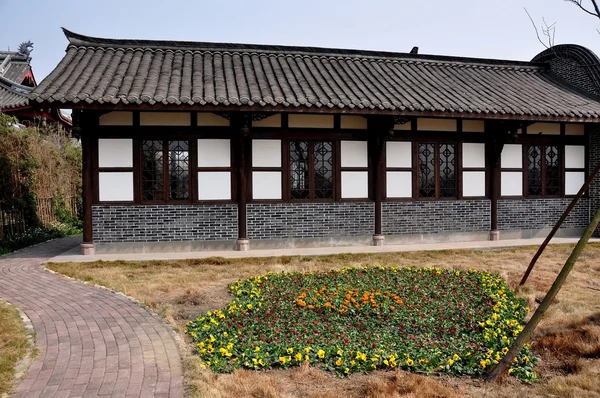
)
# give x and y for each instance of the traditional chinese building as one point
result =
(16, 82)
(189, 146)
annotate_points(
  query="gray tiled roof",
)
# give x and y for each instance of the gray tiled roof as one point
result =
(13, 95)
(130, 73)
(17, 67)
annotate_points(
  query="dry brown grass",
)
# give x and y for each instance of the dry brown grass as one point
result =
(13, 345)
(567, 341)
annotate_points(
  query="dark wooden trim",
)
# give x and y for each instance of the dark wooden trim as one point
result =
(115, 169)
(240, 125)
(86, 124)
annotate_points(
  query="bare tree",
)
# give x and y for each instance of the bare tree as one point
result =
(591, 9)
(547, 30)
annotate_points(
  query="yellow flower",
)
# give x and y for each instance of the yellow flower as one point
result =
(410, 362)
(249, 306)
(483, 363)
(340, 352)
(321, 354)
(306, 358)
(450, 362)
(257, 349)
(339, 362)
(456, 357)
(307, 350)
(525, 359)
(298, 357)
(505, 350)
(225, 334)
(290, 350)
(211, 338)
(282, 360)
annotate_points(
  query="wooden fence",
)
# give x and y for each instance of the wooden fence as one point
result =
(13, 221)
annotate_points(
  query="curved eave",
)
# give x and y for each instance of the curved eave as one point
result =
(314, 110)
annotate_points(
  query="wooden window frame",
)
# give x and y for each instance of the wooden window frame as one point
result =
(457, 170)
(192, 154)
(336, 173)
(561, 176)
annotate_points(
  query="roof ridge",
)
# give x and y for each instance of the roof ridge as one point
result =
(79, 40)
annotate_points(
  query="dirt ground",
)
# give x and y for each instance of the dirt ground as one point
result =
(567, 340)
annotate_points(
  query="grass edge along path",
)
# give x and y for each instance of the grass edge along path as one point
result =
(233, 338)
(14, 345)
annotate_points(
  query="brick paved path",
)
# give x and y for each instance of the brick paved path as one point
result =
(91, 342)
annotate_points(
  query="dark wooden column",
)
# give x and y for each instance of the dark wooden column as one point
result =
(83, 126)
(379, 129)
(240, 124)
(498, 134)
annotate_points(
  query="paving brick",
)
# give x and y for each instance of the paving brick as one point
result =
(84, 351)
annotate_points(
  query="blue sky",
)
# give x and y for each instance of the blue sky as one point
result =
(489, 29)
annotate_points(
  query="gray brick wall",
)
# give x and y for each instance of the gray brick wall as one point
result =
(164, 223)
(436, 216)
(540, 213)
(309, 220)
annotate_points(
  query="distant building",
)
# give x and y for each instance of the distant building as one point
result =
(16, 82)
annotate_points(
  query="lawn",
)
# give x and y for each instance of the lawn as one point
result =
(14, 345)
(567, 342)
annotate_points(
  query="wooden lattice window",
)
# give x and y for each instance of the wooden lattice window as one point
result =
(311, 170)
(165, 170)
(543, 170)
(437, 176)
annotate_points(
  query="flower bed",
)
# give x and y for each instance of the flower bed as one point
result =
(360, 319)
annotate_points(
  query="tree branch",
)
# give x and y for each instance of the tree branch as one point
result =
(579, 3)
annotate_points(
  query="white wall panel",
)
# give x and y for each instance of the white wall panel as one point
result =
(399, 184)
(266, 153)
(214, 153)
(575, 129)
(115, 187)
(512, 156)
(116, 119)
(354, 154)
(436, 124)
(398, 154)
(511, 183)
(165, 119)
(473, 183)
(473, 126)
(266, 185)
(310, 121)
(355, 184)
(353, 122)
(271, 121)
(574, 156)
(473, 155)
(573, 182)
(115, 152)
(214, 185)
(544, 128)
(210, 119)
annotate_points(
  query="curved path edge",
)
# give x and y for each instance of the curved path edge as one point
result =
(91, 341)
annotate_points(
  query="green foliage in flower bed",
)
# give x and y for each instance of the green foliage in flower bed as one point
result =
(360, 319)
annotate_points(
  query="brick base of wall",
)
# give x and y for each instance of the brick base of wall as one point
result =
(310, 220)
(434, 217)
(164, 223)
(540, 214)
